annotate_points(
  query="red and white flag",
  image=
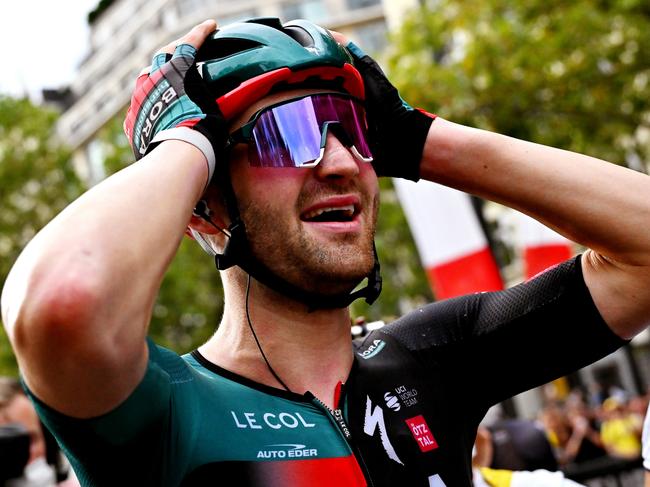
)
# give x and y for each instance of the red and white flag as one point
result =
(540, 246)
(449, 238)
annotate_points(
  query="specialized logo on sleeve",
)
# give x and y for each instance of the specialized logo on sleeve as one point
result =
(422, 434)
(376, 347)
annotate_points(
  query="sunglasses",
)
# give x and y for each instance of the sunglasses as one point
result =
(293, 133)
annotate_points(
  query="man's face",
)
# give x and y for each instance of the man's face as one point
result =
(314, 227)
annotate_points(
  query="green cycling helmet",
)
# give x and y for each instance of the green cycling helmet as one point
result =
(245, 61)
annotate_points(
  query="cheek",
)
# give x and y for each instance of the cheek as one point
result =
(264, 187)
(275, 175)
(368, 175)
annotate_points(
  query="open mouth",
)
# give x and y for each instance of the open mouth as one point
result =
(345, 213)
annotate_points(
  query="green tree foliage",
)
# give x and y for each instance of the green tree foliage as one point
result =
(37, 182)
(573, 74)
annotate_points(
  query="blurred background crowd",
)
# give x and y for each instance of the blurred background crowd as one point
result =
(592, 438)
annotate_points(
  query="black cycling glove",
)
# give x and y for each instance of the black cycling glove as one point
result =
(397, 131)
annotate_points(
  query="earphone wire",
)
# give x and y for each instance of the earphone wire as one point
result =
(250, 324)
(204, 212)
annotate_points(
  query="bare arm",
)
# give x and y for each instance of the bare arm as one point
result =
(78, 301)
(600, 205)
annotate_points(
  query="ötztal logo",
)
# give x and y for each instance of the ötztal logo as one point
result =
(421, 433)
(376, 347)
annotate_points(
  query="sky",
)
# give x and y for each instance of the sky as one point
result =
(43, 41)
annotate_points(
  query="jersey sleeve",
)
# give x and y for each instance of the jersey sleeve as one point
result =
(130, 441)
(492, 346)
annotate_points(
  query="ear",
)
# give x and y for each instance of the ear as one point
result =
(205, 220)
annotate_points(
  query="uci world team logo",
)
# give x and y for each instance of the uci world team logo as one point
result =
(376, 347)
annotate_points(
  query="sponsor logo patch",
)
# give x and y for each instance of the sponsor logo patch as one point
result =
(392, 402)
(287, 450)
(376, 347)
(276, 421)
(407, 396)
(421, 433)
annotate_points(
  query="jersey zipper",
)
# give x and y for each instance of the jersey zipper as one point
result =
(336, 417)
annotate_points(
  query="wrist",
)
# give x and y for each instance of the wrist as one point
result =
(449, 150)
(193, 138)
(181, 153)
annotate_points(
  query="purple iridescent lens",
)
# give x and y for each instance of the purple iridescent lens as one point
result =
(290, 134)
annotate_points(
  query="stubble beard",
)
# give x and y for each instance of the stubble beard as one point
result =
(328, 267)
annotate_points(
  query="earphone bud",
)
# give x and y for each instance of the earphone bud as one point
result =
(202, 211)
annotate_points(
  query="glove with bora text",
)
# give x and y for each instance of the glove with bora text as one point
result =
(172, 102)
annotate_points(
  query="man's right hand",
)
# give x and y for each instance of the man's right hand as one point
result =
(170, 101)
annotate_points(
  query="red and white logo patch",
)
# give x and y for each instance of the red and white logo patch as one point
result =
(422, 434)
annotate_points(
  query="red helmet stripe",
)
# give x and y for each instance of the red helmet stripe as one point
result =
(253, 89)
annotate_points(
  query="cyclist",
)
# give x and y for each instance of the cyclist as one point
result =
(264, 151)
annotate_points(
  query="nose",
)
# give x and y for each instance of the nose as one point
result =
(338, 163)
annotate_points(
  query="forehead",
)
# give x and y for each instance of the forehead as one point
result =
(269, 100)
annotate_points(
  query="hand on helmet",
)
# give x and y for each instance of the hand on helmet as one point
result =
(397, 131)
(170, 101)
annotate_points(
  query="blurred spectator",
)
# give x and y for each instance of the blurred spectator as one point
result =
(597, 394)
(620, 430)
(637, 407)
(534, 450)
(14, 451)
(584, 442)
(572, 430)
(556, 426)
(45, 466)
(15, 407)
(518, 444)
(646, 447)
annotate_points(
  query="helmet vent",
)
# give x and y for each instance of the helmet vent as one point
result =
(300, 35)
(213, 51)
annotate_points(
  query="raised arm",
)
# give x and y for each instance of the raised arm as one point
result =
(600, 205)
(78, 301)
